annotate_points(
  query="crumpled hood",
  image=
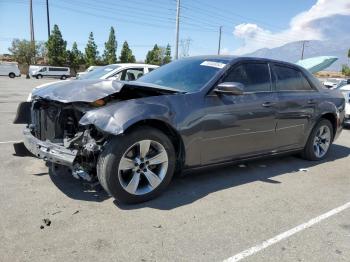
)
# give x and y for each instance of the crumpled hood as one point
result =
(78, 90)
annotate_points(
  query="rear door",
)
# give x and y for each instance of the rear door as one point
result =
(297, 101)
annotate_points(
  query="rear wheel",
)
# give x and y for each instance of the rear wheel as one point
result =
(12, 75)
(63, 77)
(319, 142)
(138, 166)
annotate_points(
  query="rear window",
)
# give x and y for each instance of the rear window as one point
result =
(290, 79)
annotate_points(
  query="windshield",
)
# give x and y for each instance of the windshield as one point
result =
(187, 75)
(99, 72)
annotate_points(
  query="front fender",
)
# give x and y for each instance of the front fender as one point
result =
(117, 117)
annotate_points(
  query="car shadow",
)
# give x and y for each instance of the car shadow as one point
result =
(190, 188)
(79, 189)
(194, 186)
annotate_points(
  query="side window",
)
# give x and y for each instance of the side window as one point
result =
(118, 75)
(289, 79)
(43, 69)
(254, 76)
(150, 69)
(132, 74)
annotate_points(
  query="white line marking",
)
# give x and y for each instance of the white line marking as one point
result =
(9, 142)
(250, 251)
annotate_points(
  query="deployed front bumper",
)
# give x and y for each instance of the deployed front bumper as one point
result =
(49, 151)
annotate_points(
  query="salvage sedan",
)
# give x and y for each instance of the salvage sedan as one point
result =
(190, 114)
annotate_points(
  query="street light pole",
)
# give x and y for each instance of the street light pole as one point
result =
(177, 29)
(48, 18)
(219, 48)
(31, 23)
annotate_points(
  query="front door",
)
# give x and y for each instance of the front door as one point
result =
(242, 125)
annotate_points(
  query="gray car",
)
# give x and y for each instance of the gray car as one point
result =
(190, 114)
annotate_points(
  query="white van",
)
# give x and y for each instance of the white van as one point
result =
(33, 68)
(52, 71)
(9, 69)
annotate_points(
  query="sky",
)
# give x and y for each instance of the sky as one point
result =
(246, 25)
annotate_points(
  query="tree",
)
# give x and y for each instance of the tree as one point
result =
(345, 70)
(155, 56)
(167, 57)
(91, 53)
(126, 55)
(56, 47)
(24, 52)
(75, 57)
(109, 55)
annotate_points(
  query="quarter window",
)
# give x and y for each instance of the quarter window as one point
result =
(289, 79)
(254, 76)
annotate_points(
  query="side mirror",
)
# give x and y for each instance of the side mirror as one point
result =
(230, 88)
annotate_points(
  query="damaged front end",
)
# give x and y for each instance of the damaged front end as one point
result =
(69, 123)
(54, 135)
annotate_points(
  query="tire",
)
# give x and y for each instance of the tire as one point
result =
(310, 149)
(39, 76)
(12, 75)
(116, 180)
(63, 77)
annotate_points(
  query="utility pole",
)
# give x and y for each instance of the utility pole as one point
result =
(48, 18)
(219, 48)
(177, 29)
(31, 23)
(302, 50)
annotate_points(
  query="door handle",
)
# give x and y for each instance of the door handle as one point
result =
(268, 104)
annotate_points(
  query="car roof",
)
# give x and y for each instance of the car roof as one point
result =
(134, 64)
(233, 58)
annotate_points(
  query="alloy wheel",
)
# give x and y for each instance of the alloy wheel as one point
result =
(143, 167)
(322, 141)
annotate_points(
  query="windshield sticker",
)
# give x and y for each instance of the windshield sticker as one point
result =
(213, 64)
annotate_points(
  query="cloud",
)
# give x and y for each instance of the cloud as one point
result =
(307, 25)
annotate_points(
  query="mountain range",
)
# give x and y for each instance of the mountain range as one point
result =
(291, 52)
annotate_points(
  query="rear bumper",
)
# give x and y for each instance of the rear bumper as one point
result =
(49, 151)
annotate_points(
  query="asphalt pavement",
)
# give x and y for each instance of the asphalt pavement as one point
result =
(281, 209)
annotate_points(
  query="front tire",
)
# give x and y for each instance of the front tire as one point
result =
(319, 142)
(12, 75)
(137, 166)
(63, 77)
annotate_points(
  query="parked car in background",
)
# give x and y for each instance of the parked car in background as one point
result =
(125, 72)
(341, 83)
(89, 69)
(51, 71)
(344, 88)
(9, 69)
(33, 68)
(191, 113)
(332, 82)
